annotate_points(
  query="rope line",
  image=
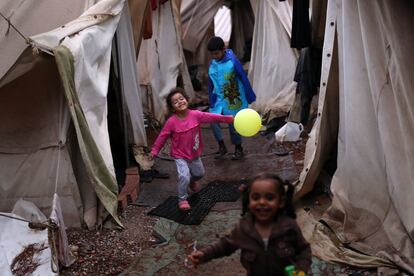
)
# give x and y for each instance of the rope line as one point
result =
(16, 218)
(58, 166)
(60, 145)
(11, 25)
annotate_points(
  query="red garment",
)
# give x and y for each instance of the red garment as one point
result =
(147, 24)
(154, 4)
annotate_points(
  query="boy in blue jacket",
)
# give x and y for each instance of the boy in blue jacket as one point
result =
(229, 91)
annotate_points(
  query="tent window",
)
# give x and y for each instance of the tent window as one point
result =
(222, 24)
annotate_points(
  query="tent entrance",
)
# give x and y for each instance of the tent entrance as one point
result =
(117, 126)
(223, 24)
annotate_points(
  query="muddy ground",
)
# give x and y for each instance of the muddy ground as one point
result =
(135, 251)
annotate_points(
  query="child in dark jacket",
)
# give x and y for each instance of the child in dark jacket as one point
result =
(267, 234)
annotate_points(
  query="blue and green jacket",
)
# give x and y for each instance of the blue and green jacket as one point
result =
(229, 88)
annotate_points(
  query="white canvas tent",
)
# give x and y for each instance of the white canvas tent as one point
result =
(366, 112)
(42, 95)
(161, 60)
(273, 62)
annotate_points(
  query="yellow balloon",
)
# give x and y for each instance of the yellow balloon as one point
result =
(247, 122)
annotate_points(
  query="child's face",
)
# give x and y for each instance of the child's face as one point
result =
(264, 201)
(179, 102)
(217, 54)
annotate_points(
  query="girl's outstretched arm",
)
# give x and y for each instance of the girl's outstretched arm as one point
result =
(223, 247)
(205, 117)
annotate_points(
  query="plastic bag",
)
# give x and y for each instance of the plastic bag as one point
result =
(290, 132)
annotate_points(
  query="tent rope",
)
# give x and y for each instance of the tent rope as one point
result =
(10, 24)
(26, 39)
(60, 145)
(12, 217)
(58, 165)
(32, 224)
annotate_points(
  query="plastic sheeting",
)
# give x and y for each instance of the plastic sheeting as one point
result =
(371, 208)
(273, 62)
(15, 236)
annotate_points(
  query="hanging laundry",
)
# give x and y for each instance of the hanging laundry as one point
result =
(301, 28)
(307, 76)
(154, 4)
(147, 27)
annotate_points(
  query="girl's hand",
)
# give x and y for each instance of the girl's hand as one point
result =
(196, 257)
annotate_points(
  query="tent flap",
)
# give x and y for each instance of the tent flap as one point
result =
(272, 74)
(372, 186)
(103, 181)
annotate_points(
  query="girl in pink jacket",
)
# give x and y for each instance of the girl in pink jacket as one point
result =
(183, 128)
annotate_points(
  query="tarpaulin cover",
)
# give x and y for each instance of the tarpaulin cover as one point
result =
(372, 186)
(15, 236)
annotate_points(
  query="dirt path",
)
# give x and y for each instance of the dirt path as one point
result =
(168, 259)
(134, 251)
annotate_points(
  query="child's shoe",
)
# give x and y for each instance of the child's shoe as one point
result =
(183, 205)
(194, 186)
(222, 151)
(238, 153)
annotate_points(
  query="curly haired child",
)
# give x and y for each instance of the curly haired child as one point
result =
(267, 234)
(183, 128)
